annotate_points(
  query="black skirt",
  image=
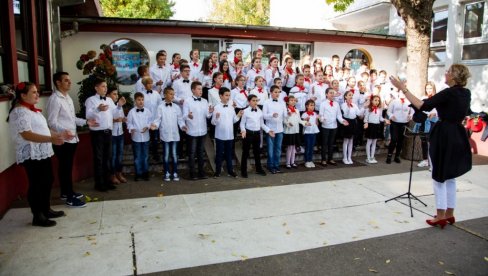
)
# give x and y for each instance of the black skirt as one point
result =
(350, 130)
(291, 139)
(449, 150)
(374, 131)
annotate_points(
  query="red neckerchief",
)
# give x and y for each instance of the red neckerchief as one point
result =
(352, 90)
(320, 83)
(176, 66)
(301, 88)
(306, 79)
(236, 60)
(214, 66)
(260, 89)
(210, 72)
(331, 103)
(257, 70)
(403, 100)
(349, 104)
(243, 91)
(375, 108)
(30, 106)
(195, 64)
(217, 87)
(292, 108)
(310, 113)
(289, 70)
(226, 76)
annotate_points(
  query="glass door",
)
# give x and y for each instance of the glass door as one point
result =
(270, 51)
(245, 47)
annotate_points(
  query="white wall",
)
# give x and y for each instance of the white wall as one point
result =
(384, 58)
(81, 43)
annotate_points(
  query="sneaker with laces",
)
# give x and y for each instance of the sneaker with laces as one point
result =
(307, 165)
(368, 160)
(74, 202)
(167, 177)
(75, 194)
(423, 164)
(176, 177)
(373, 161)
(312, 164)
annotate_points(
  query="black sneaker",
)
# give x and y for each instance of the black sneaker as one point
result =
(53, 214)
(75, 194)
(43, 221)
(397, 160)
(388, 160)
(263, 173)
(74, 202)
(278, 171)
(111, 187)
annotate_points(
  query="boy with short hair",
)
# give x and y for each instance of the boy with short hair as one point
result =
(142, 71)
(274, 112)
(196, 111)
(223, 119)
(152, 99)
(160, 73)
(168, 118)
(139, 121)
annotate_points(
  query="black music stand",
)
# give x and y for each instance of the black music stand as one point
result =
(410, 133)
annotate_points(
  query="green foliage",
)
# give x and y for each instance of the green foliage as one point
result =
(152, 9)
(245, 12)
(340, 5)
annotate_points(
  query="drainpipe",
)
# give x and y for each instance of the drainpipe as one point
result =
(56, 28)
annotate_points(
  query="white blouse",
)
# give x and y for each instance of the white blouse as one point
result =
(23, 119)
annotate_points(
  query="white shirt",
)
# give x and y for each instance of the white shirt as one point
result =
(374, 117)
(23, 119)
(262, 96)
(269, 108)
(239, 96)
(251, 77)
(253, 120)
(103, 118)
(292, 122)
(199, 109)
(289, 79)
(168, 118)
(400, 111)
(138, 121)
(195, 68)
(205, 79)
(118, 129)
(301, 95)
(152, 101)
(350, 112)
(173, 71)
(61, 115)
(213, 96)
(269, 76)
(313, 128)
(182, 89)
(160, 73)
(329, 115)
(139, 86)
(224, 125)
(317, 90)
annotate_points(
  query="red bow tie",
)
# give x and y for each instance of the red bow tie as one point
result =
(292, 108)
(352, 90)
(257, 71)
(210, 72)
(331, 103)
(320, 83)
(195, 64)
(289, 70)
(260, 89)
(244, 92)
(403, 100)
(226, 76)
(177, 66)
(310, 113)
(375, 109)
(214, 66)
(306, 79)
(236, 60)
(301, 88)
(30, 106)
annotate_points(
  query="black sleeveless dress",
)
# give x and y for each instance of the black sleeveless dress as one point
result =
(450, 151)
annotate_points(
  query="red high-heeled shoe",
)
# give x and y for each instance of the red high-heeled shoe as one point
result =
(450, 220)
(442, 223)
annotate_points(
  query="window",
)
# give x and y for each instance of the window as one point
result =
(300, 53)
(437, 55)
(127, 56)
(269, 51)
(439, 26)
(357, 57)
(246, 49)
(205, 46)
(475, 34)
(20, 25)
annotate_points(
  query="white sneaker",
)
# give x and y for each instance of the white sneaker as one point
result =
(423, 164)
(373, 161)
(345, 161)
(312, 164)
(307, 165)
(175, 177)
(350, 161)
(167, 177)
(368, 160)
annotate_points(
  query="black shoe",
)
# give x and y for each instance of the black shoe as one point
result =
(244, 175)
(146, 177)
(137, 177)
(388, 160)
(397, 160)
(272, 172)
(261, 172)
(202, 176)
(233, 174)
(216, 175)
(101, 188)
(43, 221)
(278, 171)
(193, 177)
(53, 214)
(111, 187)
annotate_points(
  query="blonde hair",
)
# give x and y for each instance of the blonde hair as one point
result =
(460, 74)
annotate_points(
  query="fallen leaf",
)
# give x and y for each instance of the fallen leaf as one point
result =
(372, 222)
(357, 259)
(398, 213)
(158, 217)
(87, 254)
(441, 262)
(1, 253)
(234, 254)
(373, 270)
(91, 238)
(95, 199)
(160, 194)
(449, 273)
(93, 222)
(324, 243)
(288, 232)
(284, 224)
(203, 236)
(406, 221)
(387, 261)
(87, 198)
(244, 257)
(213, 241)
(355, 237)
(486, 259)
(322, 223)
(376, 227)
(93, 243)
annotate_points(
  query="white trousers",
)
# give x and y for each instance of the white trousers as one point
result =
(445, 194)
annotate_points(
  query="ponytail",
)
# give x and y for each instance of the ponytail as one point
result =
(21, 88)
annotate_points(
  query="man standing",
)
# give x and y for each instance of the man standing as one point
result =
(61, 117)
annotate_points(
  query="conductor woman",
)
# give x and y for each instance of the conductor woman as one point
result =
(449, 150)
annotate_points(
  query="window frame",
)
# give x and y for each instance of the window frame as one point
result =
(439, 44)
(483, 39)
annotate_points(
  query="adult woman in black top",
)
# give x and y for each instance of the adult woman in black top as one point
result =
(449, 150)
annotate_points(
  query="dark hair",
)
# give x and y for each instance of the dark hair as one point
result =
(192, 51)
(183, 61)
(371, 102)
(335, 56)
(195, 84)
(308, 102)
(273, 87)
(237, 50)
(138, 95)
(205, 68)
(98, 81)
(221, 53)
(373, 71)
(239, 77)
(223, 89)
(183, 67)
(250, 97)
(173, 57)
(276, 79)
(166, 89)
(21, 88)
(273, 58)
(221, 69)
(111, 89)
(306, 66)
(141, 70)
(328, 89)
(214, 76)
(58, 77)
(253, 60)
(160, 53)
(347, 93)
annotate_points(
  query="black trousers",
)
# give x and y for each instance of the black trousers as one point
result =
(252, 139)
(65, 154)
(397, 137)
(328, 139)
(102, 156)
(195, 148)
(40, 176)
